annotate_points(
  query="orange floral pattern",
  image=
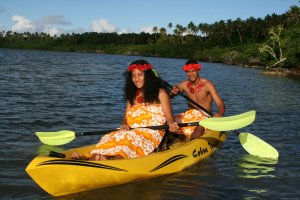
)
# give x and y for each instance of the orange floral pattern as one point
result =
(137, 142)
(192, 115)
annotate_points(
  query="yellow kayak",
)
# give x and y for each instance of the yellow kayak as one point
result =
(62, 176)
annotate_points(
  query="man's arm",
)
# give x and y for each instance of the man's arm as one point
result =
(217, 99)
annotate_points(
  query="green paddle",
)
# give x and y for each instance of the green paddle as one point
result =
(252, 144)
(223, 124)
(257, 147)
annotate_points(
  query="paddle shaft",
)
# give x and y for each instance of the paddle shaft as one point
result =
(159, 127)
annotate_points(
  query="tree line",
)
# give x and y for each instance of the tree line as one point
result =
(238, 41)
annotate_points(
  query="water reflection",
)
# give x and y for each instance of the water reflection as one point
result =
(255, 167)
(147, 189)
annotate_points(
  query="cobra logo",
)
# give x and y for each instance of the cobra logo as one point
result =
(199, 152)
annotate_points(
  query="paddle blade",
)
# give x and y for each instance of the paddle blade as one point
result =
(229, 123)
(56, 138)
(257, 147)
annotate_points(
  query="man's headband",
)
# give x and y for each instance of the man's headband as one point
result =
(191, 66)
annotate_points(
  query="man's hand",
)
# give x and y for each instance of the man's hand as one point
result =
(175, 90)
(217, 115)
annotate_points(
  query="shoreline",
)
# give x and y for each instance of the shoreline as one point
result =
(294, 72)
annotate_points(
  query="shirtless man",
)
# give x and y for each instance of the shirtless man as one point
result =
(203, 92)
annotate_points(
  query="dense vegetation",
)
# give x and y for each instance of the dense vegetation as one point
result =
(271, 42)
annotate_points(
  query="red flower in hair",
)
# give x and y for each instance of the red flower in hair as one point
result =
(141, 67)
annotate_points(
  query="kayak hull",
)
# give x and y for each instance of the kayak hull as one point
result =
(63, 176)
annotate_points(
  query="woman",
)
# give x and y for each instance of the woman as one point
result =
(148, 104)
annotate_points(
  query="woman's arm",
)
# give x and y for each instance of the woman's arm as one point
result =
(124, 125)
(167, 110)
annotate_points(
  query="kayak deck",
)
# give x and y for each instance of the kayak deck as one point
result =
(62, 176)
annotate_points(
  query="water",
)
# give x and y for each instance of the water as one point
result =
(51, 91)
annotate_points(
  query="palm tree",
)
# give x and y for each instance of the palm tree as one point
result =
(204, 29)
(229, 30)
(238, 24)
(170, 26)
(179, 32)
(155, 31)
(192, 28)
(162, 31)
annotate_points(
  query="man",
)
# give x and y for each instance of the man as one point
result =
(203, 92)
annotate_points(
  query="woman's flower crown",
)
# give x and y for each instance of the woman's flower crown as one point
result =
(141, 67)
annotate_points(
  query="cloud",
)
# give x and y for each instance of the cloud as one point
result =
(46, 25)
(103, 25)
(52, 31)
(147, 29)
(22, 24)
(55, 19)
(126, 30)
(54, 25)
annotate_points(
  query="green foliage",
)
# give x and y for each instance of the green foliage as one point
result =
(291, 39)
(232, 41)
(246, 54)
(209, 55)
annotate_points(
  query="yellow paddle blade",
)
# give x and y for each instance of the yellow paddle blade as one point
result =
(56, 138)
(229, 123)
(257, 147)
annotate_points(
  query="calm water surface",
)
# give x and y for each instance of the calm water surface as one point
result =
(50, 91)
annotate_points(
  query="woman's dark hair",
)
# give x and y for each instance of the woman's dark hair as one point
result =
(151, 86)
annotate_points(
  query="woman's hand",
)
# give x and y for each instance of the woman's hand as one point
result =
(173, 127)
(78, 156)
(124, 127)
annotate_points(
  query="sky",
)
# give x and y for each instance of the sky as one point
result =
(127, 16)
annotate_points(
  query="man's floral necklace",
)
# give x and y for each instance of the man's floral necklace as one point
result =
(197, 88)
(139, 99)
